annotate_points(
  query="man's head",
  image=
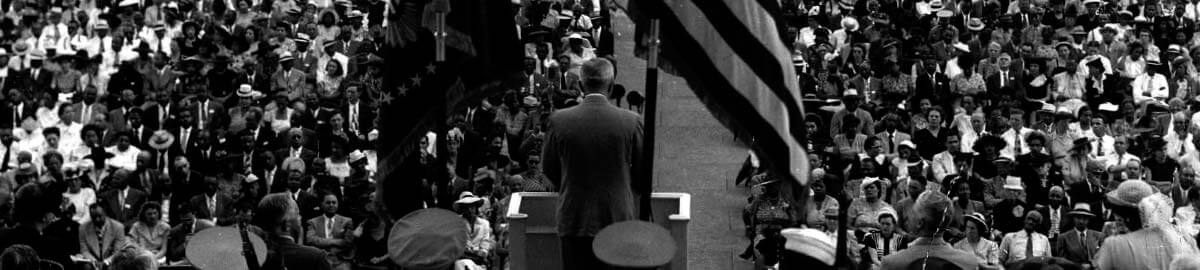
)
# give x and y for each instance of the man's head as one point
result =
(952, 144)
(120, 178)
(887, 223)
(930, 213)
(329, 205)
(597, 76)
(96, 211)
(1056, 196)
(277, 213)
(1032, 220)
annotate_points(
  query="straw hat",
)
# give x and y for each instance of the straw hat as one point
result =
(428, 239)
(220, 248)
(810, 242)
(1083, 209)
(1130, 192)
(466, 197)
(634, 243)
(161, 140)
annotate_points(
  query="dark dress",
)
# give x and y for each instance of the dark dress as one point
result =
(1163, 171)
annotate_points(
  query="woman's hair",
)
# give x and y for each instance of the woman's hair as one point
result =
(19, 257)
(147, 207)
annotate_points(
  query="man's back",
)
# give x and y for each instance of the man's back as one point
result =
(592, 151)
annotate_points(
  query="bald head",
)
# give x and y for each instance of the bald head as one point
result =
(597, 75)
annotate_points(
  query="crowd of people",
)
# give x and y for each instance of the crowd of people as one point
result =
(1058, 129)
(127, 127)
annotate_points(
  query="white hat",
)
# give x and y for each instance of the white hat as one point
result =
(1013, 183)
(850, 92)
(1085, 2)
(245, 90)
(1109, 107)
(286, 56)
(126, 3)
(466, 197)
(850, 24)
(909, 144)
(810, 242)
(356, 156)
(127, 55)
(251, 178)
(962, 47)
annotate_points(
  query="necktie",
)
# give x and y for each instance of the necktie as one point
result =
(163, 160)
(246, 162)
(328, 227)
(7, 154)
(203, 113)
(1003, 78)
(887, 247)
(1083, 241)
(891, 142)
(162, 115)
(1029, 246)
(212, 206)
(183, 142)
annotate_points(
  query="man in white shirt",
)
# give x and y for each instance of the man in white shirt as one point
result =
(1120, 161)
(1028, 243)
(943, 163)
(1151, 87)
(1179, 140)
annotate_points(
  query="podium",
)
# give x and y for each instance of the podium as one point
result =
(533, 236)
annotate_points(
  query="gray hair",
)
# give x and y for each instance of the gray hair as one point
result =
(597, 75)
(930, 212)
(274, 210)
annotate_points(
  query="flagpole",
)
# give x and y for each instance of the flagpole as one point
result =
(650, 116)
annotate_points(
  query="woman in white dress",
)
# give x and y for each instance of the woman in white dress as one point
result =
(987, 251)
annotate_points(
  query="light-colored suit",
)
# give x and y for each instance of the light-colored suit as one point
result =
(892, 146)
(293, 83)
(593, 151)
(339, 245)
(103, 242)
(97, 109)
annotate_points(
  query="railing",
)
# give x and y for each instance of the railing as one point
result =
(533, 236)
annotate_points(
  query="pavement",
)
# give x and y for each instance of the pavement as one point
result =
(694, 154)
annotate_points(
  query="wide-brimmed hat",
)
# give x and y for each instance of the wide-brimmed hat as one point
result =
(161, 140)
(466, 197)
(909, 144)
(1083, 209)
(850, 24)
(286, 56)
(356, 156)
(634, 243)
(1013, 183)
(945, 13)
(1129, 193)
(979, 220)
(975, 24)
(428, 239)
(811, 243)
(245, 90)
(213, 248)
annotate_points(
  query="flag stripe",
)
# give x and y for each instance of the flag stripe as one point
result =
(770, 105)
(747, 43)
(732, 108)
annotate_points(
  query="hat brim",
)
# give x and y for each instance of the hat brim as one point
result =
(1081, 213)
(636, 244)
(162, 145)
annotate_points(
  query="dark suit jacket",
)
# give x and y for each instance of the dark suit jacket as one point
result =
(1015, 81)
(8, 110)
(199, 206)
(1069, 247)
(294, 256)
(366, 117)
(153, 183)
(127, 213)
(40, 84)
(1178, 196)
(217, 114)
(306, 154)
(278, 184)
(937, 87)
(159, 83)
(151, 113)
(594, 152)
(1065, 221)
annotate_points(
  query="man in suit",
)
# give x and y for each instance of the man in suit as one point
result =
(203, 153)
(891, 136)
(296, 148)
(101, 237)
(161, 79)
(123, 107)
(1005, 77)
(37, 78)
(150, 179)
(271, 178)
(123, 201)
(208, 113)
(931, 83)
(241, 158)
(1179, 191)
(602, 177)
(289, 78)
(16, 109)
(158, 112)
(306, 60)
(253, 76)
(272, 215)
(211, 205)
(1079, 244)
(360, 118)
(1057, 219)
(261, 136)
(88, 107)
(308, 202)
(332, 233)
